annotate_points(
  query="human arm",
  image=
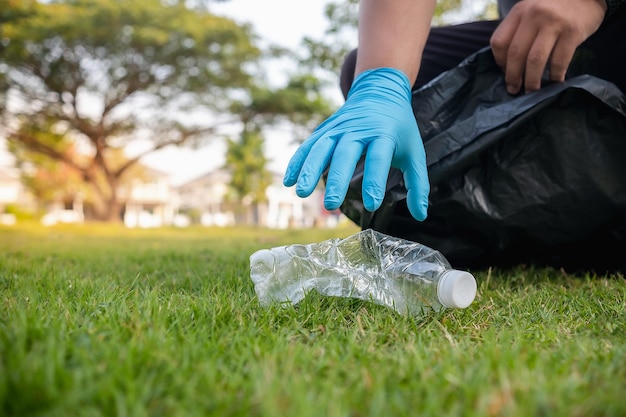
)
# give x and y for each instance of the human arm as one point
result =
(392, 33)
(540, 33)
(377, 117)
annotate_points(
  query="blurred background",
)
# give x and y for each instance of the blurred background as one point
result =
(159, 113)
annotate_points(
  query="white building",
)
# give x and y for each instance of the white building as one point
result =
(11, 192)
(150, 201)
(205, 197)
(64, 212)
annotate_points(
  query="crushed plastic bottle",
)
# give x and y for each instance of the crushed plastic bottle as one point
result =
(403, 275)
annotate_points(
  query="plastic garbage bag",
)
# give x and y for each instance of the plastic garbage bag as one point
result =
(537, 178)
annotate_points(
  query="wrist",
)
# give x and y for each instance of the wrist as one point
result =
(383, 79)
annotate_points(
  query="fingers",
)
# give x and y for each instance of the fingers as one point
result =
(502, 37)
(377, 163)
(538, 34)
(529, 54)
(313, 165)
(295, 164)
(418, 188)
(516, 53)
(537, 59)
(348, 151)
(299, 157)
(561, 58)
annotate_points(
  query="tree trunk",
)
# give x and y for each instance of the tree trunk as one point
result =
(113, 205)
(113, 211)
(108, 209)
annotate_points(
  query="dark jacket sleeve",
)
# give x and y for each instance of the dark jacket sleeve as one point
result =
(612, 5)
(504, 6)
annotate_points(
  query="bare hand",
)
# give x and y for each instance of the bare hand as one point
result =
(538, 31)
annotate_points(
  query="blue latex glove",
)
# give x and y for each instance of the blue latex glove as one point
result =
(377, 119)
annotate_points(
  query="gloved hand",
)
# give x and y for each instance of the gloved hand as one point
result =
(377, 119)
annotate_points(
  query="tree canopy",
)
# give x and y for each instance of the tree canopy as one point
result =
(104, 73)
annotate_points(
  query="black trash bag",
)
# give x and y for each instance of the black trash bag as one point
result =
(532, 179)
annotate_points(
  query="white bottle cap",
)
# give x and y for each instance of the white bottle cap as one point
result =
(456, 289)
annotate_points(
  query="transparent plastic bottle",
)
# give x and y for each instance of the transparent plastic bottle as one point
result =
(405, 276)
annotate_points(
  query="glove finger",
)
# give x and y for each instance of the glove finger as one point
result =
(418, 188)
(347, 154)
(316, 162)
(377, 164)
(299, 157)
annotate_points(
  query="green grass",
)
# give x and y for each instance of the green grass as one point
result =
(103, 321)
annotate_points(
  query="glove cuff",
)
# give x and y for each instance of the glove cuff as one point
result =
(390, 80)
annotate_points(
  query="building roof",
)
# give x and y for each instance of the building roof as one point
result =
(207, 176)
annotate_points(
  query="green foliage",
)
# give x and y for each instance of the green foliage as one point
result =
(115, 49)
(444, 6)
(19, 212)
(328, 51)
(101, 321)
(301, 103)
(107, 73)
(11, 11)
(248, 165)
(47, 179)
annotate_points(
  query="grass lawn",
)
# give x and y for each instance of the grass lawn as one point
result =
(103, 321)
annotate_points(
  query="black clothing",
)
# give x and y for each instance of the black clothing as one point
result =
(447, 46)
(573, 142)
(505, 6)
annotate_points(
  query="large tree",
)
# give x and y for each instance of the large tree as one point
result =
(103, 73)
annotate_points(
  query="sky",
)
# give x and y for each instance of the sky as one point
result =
(284, 22)
(281, 21)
